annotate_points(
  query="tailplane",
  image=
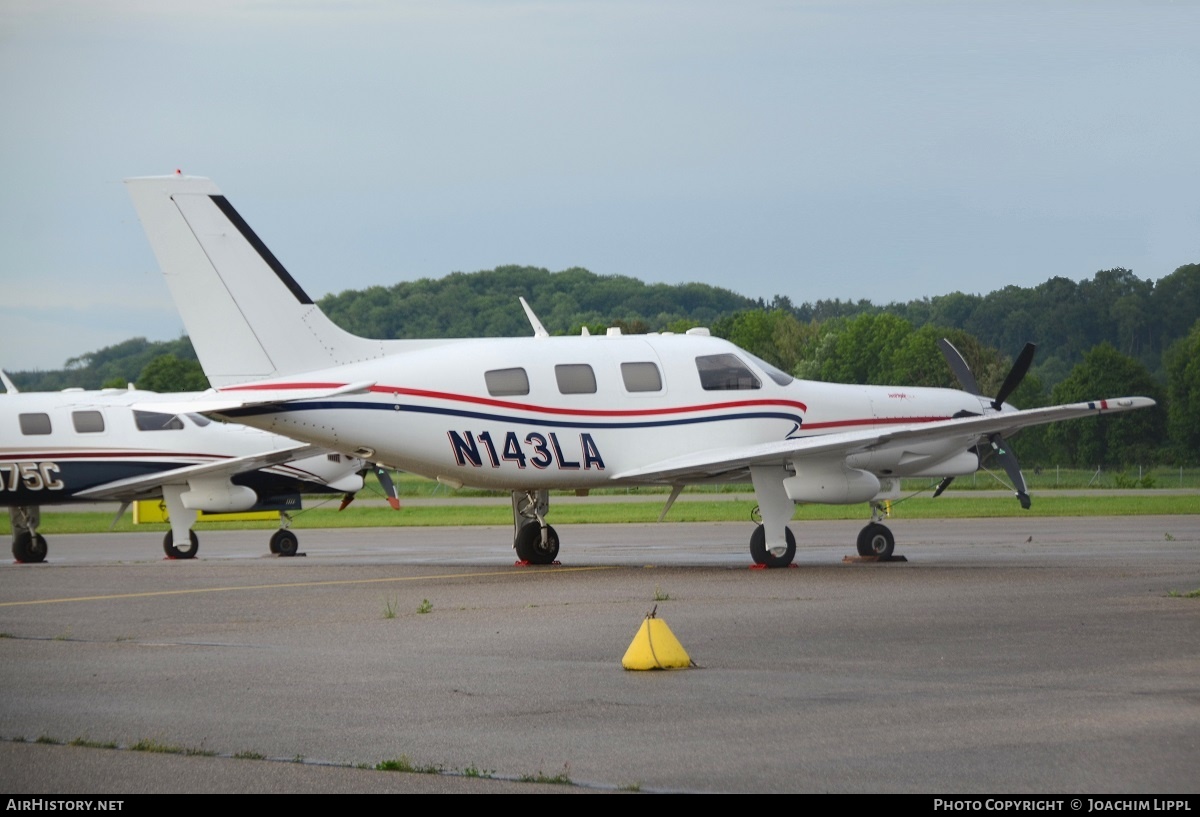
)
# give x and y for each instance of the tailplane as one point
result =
(247, 317)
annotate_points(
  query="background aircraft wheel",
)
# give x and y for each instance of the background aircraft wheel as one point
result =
(29, 547)
(876, 540)
(285, 543)
(186, 552)
(530, 548)
(762, 556)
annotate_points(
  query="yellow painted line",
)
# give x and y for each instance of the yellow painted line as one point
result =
(330, 583)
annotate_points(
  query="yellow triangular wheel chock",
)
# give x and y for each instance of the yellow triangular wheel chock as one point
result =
(655, 647)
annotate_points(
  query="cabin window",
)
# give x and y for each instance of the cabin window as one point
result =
(641, 377)
(725, 372)
(199, 419)
(88, 422)
(506, 382)
(35, 423)
(156, 421)
(575, 378)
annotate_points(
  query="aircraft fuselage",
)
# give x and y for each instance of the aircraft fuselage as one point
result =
(591, 408)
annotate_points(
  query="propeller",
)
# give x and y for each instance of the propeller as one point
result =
(1000, 447)
(385, 482)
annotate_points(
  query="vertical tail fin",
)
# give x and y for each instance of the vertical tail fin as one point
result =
(247, 317)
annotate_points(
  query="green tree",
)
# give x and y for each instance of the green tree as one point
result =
(1183, 396)
(167, 373)
(775, 336)
(1112, 440)
(861, 352)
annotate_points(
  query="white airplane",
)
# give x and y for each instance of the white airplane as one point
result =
(528, 415)
(89, 446)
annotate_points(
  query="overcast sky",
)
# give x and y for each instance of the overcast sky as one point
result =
(880, 150)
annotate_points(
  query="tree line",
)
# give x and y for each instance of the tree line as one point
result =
(1111, 335)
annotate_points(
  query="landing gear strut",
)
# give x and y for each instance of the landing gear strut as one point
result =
(28, 545)
(772, 543)
(535, 541)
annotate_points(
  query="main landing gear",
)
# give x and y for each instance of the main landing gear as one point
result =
(772, 543)
(28, 545)
(535, 541)
(770, 558)
(186, 551)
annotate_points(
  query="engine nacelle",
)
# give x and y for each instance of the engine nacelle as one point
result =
(832, 486)
(218, 496)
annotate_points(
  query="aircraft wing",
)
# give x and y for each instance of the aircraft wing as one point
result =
(134, 487)
(716, 462)
(216, 402)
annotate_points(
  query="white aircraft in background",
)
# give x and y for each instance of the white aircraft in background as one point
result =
(90, 446)
(528, 415)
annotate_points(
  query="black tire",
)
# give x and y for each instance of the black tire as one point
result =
(764, 557)
(530, 547)
(876, 540)
(29, 548)
(284, 542)
(187, 552)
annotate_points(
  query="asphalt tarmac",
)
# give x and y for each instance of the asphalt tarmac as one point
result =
(1001, 656)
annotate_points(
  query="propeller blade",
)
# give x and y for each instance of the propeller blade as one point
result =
(1011, 467)
(959, 366)
(388, 486)
(1015, 375)
(385, 482)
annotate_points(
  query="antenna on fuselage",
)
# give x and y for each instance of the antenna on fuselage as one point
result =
(539, 331)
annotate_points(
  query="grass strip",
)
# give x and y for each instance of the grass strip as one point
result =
(58, 521)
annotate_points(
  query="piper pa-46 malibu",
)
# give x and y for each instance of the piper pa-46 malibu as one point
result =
(528, 415)
(91, 446)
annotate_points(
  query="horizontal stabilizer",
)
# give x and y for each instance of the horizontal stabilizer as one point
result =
(218, 402)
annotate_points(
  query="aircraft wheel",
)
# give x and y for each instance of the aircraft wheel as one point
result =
(29, 547)
(876, 540)
(188, 551)
(762, 556)
(530, 547)
(285, 543)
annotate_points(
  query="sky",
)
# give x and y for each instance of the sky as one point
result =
(816, 150)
